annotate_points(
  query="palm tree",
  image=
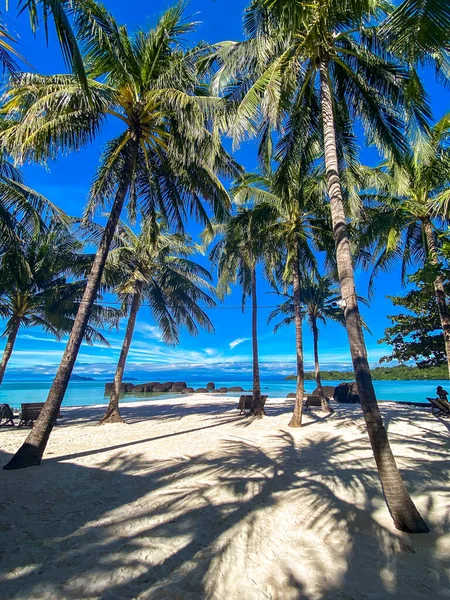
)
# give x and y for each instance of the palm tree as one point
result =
(64, 14)
(284, 223)
(155, 268)
(419, 30)
(23, 211)
(236, 256)
(402, 197)
(166, 156)
(8, 53)
(327, 54)
(40, 286)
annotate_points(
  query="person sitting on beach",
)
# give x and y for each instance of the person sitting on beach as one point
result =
(442, 394)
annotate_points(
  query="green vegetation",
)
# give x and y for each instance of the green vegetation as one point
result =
(398, 373)
(417, 334)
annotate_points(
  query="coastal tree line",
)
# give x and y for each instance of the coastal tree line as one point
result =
(306, 77)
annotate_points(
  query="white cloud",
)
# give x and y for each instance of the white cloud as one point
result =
(149, 331)
(238, 341)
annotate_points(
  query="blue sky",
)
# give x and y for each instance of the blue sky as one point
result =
(228, 351)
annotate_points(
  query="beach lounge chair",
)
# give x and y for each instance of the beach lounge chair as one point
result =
(440, 408)
(29, 412)
(312, 400)
(245, 403)
(6, 415)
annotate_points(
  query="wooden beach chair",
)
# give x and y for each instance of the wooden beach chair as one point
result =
(439, 408)
(312, 400)
(29, 412)
(245, 403)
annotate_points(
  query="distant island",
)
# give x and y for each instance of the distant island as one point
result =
(80, 378)
(398, 373)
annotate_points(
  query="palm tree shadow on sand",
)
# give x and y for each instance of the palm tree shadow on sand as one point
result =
(239, 521)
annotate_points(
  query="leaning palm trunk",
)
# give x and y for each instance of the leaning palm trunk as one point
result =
(31, 451)
(112, 414)
(324, 401)
(403, 511)
(257, 407)
(9, 346)
(296, 419)
(439, 289)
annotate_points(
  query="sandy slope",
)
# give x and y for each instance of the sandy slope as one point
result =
(189, 501)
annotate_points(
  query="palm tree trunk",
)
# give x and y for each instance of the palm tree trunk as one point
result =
(296, 419)
(324, 401)
(438, 288)
(257, 408)
(403, 511)
(15, 326)
(112, 414)
(31, 451)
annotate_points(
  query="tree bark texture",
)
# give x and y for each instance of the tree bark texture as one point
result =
(439, 291)
(324, 401)
(31, 451)
(402, 509)
(112, 414)
(257, 408)
(296, 419)
(15, 325)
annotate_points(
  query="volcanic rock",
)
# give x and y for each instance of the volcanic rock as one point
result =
(346, 393)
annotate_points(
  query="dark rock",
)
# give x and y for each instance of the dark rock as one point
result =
(236, 388)
(159, 388)
(138, 389)
(188, 390)
(328, 391)
(346, 393)
(210, 386)
(222, 390)
(124, 387)
(149, 386)
(291, 395)
(177, 388)
(201, 391)
(182, 384)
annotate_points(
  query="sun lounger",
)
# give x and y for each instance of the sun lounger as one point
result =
(312, 400)
(6, 415)
(440, 408)
(245, 403)
(29, 412)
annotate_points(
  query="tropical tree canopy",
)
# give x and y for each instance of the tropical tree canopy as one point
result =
(23, 211)
(42, 285)
(149, 84)
(158, 267)
(401, 198)
(274, 76)
(417, 333)
(319, 297)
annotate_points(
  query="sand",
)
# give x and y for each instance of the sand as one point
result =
(190, 501)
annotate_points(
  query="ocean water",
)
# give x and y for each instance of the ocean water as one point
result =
(88, 393)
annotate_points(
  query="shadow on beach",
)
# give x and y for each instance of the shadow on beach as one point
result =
(291, 521)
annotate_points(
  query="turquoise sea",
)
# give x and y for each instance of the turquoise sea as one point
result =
(88, 393)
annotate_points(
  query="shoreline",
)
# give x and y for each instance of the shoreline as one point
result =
(182, 500)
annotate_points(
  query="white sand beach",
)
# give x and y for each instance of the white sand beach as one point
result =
(190, 501)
